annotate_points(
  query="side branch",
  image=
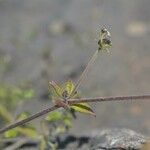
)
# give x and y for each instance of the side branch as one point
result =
(24, 121)
(71, 102)
(102, 99)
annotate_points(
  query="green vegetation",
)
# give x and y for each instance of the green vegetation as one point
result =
(55, 122)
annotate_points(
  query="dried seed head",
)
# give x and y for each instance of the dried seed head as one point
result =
(103, 30)
(105, 40)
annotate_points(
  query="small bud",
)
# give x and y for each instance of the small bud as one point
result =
(65, 94)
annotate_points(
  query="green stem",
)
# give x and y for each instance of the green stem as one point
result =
(84, 72)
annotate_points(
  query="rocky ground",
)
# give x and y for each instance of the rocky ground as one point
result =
(105, 139)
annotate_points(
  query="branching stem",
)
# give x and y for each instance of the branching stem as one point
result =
(71, 102)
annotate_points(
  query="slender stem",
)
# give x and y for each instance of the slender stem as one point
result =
(34, 116)
(93, 58)
(71, 102)
(102, 99)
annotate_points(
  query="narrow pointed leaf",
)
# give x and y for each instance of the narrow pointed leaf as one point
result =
(55, 89)
(83, 108)
(68, 87)
(53, 116)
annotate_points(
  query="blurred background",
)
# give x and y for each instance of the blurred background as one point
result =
(45, 40)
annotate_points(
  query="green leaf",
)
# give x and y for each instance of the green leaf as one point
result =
(28, 93)
(11, 133)
(54, 116)
(5, 114)
(63, 91)
(68, 86)
(67, 122)
(27, 131)
(83, 108)
(55, 89)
